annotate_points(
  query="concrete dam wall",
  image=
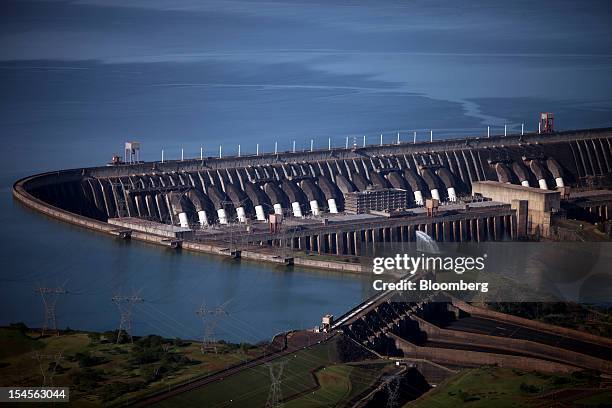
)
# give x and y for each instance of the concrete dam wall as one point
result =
(222, 190)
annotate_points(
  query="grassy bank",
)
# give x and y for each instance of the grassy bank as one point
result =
(312, 377)
(101, 372)
(504, 387)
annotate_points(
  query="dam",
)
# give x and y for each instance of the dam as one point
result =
(286, 206)
(444, 330)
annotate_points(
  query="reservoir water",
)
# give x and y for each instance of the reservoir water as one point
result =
(79, 79)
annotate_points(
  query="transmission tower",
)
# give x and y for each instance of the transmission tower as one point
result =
(49, 297)
(275, 396)
(53, 361)
(125, 304)
(210, 318)
(392, 392)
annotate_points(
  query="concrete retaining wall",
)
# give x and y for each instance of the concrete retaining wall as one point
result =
(433, 373)
(437, 146)
(30, 201)
(330, 265)
(537, 350)
(477, 358)
(263, 257)
(561, 331)
(539, 207)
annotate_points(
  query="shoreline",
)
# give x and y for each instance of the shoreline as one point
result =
(28, 200)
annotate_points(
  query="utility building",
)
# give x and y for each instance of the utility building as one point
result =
(387, 199)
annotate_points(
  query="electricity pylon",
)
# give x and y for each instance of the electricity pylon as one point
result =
(275, 396)
(48, 371)
(392, 392)
(210, 318)
(49, 297)
(125, 304)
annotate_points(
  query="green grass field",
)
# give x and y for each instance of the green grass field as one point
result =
(503, 387)
(100, 372)
(335, 385)
(339, 383)
(16, 342)
(250, 387)
(601, 399)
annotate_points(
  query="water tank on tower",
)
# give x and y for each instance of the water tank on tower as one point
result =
(132, 152)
